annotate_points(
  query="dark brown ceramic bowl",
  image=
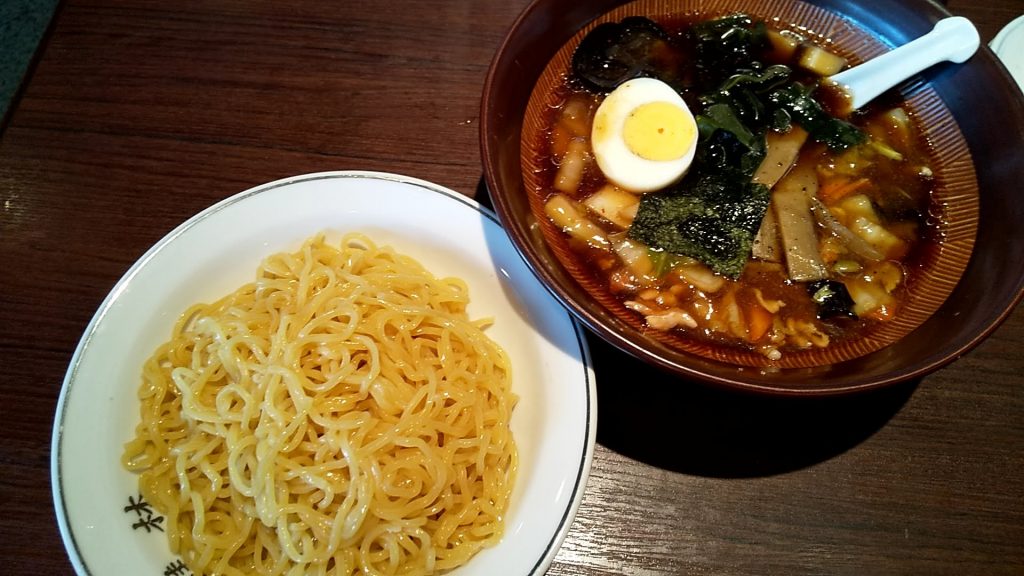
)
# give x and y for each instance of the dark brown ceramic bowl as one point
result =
(976, 278)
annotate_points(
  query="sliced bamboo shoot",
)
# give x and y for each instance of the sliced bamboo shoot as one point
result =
(781, 152)
(766, 244)
(791, 203)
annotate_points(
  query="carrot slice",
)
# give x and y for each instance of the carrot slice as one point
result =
(835, 190)
(759, 321)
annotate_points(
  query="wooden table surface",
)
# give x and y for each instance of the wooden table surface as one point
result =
(141, 113)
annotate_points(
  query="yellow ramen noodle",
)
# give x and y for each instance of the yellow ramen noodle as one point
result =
(340, 415)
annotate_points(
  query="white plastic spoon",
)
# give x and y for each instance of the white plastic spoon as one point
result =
(954, 39)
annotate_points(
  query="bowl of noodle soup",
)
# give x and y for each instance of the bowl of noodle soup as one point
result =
(302, 379)
(964, 287)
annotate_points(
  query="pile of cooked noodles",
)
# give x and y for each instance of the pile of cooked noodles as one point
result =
(340, 415)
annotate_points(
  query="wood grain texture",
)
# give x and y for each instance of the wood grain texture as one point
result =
(141, 113)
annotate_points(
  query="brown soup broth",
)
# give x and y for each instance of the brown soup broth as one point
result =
(892, 182)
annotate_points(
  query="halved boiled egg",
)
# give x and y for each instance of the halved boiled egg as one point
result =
(644, 136)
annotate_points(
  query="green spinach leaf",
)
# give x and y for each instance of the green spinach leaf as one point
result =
(795, 99)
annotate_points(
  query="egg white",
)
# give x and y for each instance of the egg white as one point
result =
(616, 160)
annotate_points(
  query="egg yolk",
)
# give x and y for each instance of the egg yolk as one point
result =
(658, 131)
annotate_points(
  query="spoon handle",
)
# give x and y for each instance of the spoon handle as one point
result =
(954, 39)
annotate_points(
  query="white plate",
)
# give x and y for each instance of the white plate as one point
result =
(107, 532)
(1009, 46)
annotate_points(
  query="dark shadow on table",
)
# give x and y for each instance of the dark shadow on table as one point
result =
(654, 417)
(482, 195)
